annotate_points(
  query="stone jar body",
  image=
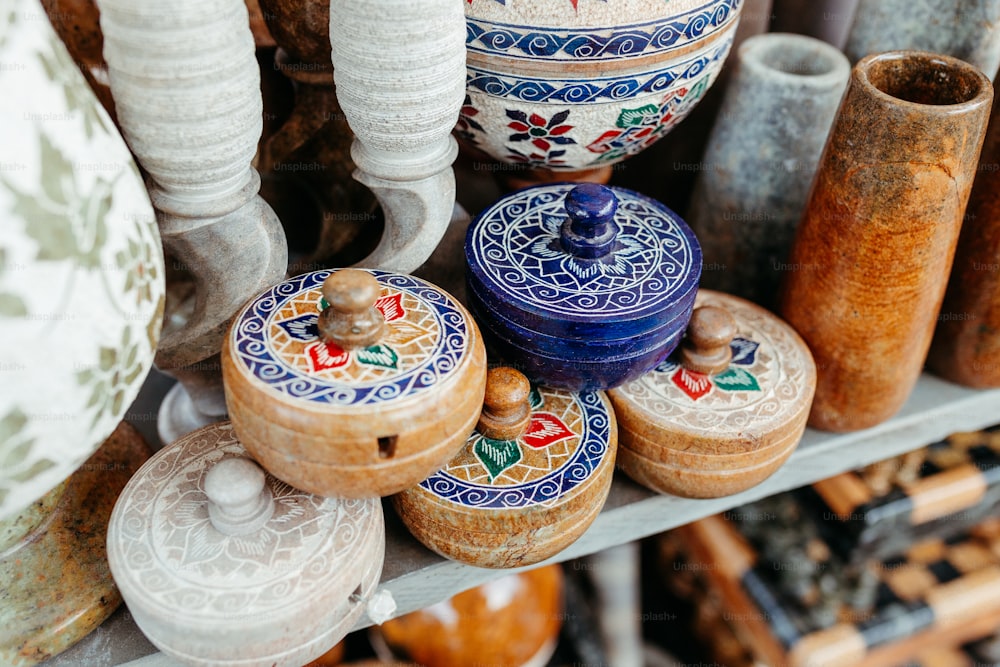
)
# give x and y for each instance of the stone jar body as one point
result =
(876, 242)
(966, 347)
(966, 29)
(761, 158)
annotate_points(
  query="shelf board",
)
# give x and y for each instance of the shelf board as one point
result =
(417, 577)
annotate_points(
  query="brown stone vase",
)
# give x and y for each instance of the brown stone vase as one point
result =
(966, 347)
(870, 262)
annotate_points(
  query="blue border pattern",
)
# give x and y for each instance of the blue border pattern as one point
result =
(592, 90)
(586, 459)
(659, 259)
(250, 343)
(610, 43)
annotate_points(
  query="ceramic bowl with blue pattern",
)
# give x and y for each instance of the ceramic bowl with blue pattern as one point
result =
(569, 85)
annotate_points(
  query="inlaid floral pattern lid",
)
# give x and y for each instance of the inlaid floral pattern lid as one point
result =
(353, 382)
(583, 260)
(540, 459)
(741, 380)
(221, 563)
(276, 341)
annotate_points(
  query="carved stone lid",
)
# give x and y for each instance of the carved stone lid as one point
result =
(399, 345)
(742, 379)
(217, 559)
(583, 261)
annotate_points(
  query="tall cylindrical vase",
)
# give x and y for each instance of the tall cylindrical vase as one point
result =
(760, 160)
(828, 20)
(966, 347)
(875, 245)
(966, 29)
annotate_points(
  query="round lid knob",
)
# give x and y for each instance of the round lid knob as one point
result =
(351, 320)
(506, 406)
(706, 348)
(589, 230)
(239, 501)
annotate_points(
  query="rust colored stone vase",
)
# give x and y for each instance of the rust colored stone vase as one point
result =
(966, 347)
(871, 258)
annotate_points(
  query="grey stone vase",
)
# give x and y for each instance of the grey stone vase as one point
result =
(966, 29)
(761, 158)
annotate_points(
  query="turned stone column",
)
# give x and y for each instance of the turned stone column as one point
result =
(186, 86)
(399, 68)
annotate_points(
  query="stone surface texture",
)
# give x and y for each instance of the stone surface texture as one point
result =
(966, 346)
(966, 29)
(398, 69)
(708, 435)
(875, 246)
(186, 85)
(364, 422)
(761, 158)
(57, 586)
(278, 596)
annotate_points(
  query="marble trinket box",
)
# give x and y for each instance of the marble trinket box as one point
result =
(581, 287)
(723, 414)
(528, 482)
(354, 382)
(222, 564)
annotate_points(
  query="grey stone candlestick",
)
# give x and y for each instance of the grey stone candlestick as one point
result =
(760, 160)
(966, 29)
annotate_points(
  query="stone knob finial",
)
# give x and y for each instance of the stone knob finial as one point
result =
(239, 500)
(506, 406)
(351, 320)
(590, 229)
(706, 346)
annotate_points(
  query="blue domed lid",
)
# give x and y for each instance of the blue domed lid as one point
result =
(583, 260)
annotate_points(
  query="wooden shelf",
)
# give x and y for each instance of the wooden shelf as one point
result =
(418, 578)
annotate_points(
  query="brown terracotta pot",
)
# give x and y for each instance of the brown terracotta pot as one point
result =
(869, 265)
(966, 347)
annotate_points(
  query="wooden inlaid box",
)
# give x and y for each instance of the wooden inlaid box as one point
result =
(528, 482)
(725, 411)
(353, 382)
(581, 287)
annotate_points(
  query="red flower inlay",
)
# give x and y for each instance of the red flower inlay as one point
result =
(545, 429)
(391, 307)
(324, 356)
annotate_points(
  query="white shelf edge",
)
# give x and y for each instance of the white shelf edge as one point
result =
(935, 410)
